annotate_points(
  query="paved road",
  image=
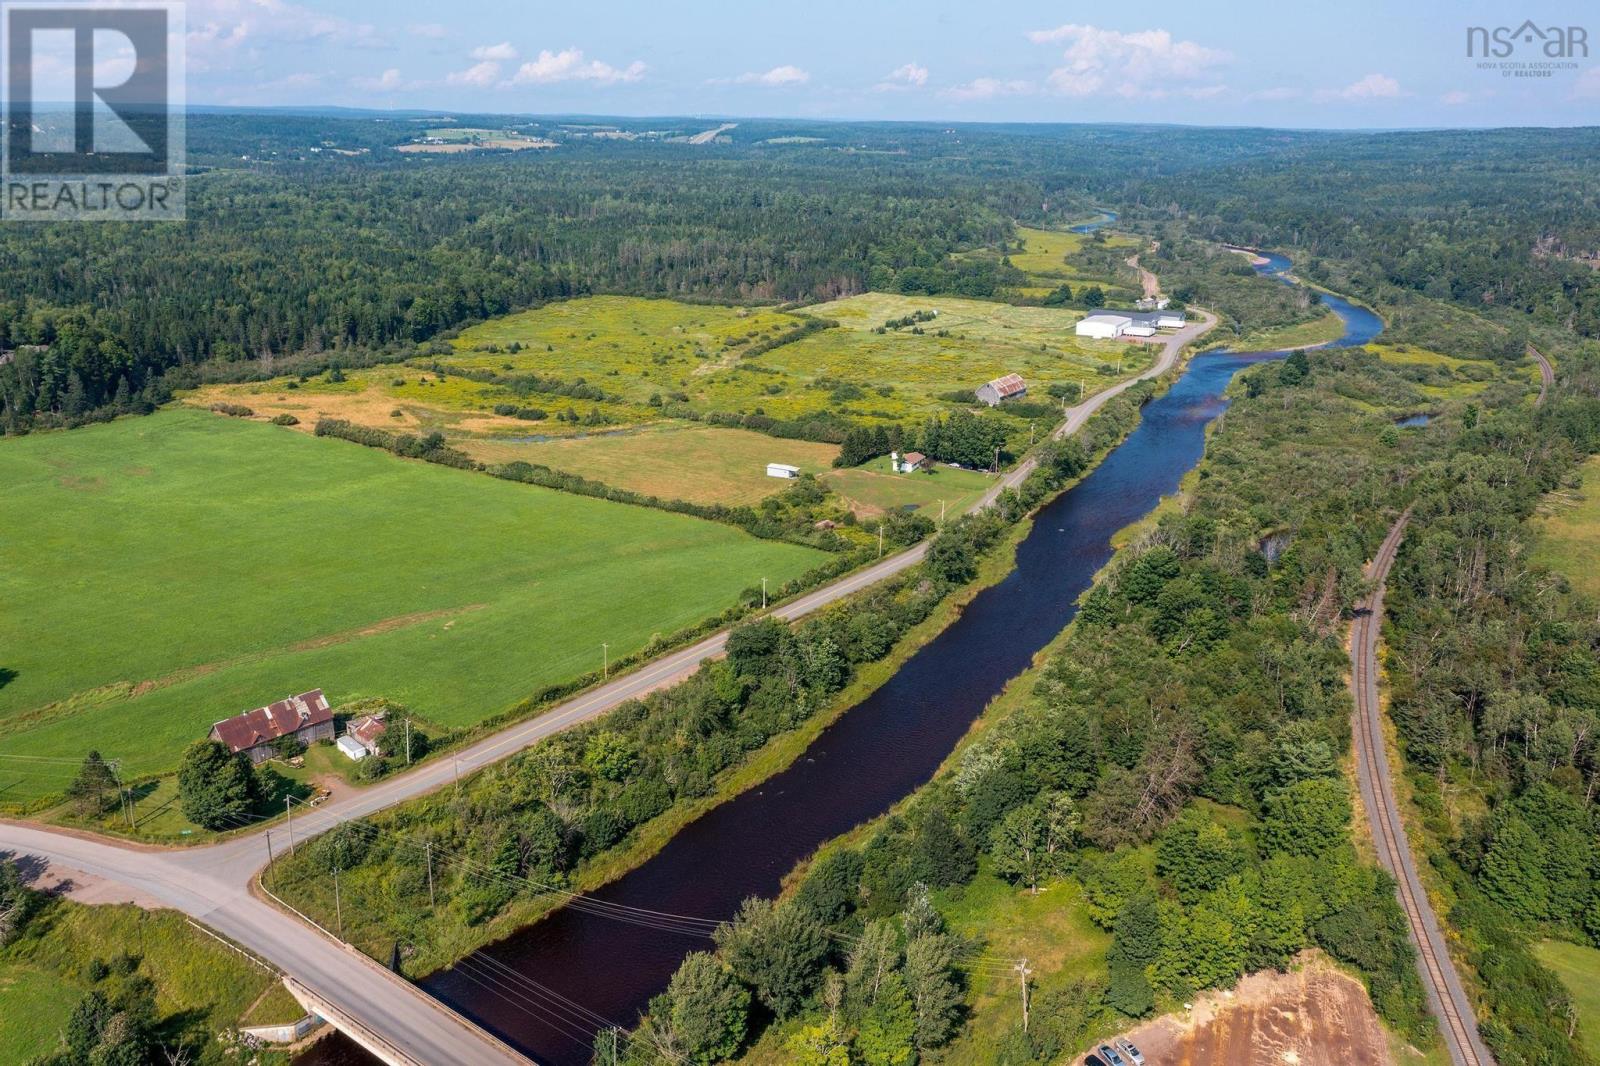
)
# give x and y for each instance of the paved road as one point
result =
(1439, 978)
(211, 883)
(1547, 375)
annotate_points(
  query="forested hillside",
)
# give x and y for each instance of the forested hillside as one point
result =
(293, 251)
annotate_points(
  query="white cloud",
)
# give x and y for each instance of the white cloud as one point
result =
(784, 75)
(1371, 87)
(479, 75)
(906, 76)
(226, 34)
(387, 82)
(502, 52)
(987, 89)
(1279, 92)
(1143, 63)
(430, 31)
(1455, 98)
(569, 65)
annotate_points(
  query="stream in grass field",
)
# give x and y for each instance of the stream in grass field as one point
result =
(860, 766)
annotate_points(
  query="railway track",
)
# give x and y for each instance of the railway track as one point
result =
(1547, 375)
(1439, 977)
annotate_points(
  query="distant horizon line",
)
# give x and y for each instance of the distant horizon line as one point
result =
(439, 112)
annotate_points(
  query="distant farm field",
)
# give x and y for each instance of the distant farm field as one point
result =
(161, 573)
(675, 460)
(660, 365)
(1568, 526)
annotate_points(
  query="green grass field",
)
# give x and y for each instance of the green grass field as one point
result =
(200, 983)
(165, 572)
(638, 348)
(1568, 525)
(1329, 327)
(873, 488)
(1579, 970)
(1446, 377)
(675, 460)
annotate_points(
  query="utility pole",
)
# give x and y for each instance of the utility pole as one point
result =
(269, 857)
(941, 514)
(763, 594)
(880, 539)
(1022, 971)
(613, 1046)
(338, 911)
(430, 874)
(997, 458)
(288, 810)
(408, 742)
(605, 661)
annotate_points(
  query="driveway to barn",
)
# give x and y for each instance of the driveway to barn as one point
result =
(215, 884)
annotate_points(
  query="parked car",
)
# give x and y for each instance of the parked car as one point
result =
(1126, 1048)
(1109, 1053)
(1094, 1060)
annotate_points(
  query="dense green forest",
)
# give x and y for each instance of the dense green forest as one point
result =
(290, 254)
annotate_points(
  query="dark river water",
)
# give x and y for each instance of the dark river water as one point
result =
(866, 761)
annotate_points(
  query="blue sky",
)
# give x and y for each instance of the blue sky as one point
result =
(1363, 64)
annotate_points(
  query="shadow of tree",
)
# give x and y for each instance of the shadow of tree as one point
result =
(7, 675)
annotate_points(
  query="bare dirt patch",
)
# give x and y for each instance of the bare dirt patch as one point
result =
(1313, 1016)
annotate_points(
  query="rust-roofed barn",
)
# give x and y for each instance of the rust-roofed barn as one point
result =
(364, 737)
(306, 717)
(1001, 389)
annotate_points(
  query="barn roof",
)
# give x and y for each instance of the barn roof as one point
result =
(1008, 385)
(368, 729)
(266, 724)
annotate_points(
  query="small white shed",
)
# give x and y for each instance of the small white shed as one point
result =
(1137, 330)
(352, 748)
(782, 470)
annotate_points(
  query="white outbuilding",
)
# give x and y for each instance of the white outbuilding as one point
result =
(1103, 325)
(783, 470)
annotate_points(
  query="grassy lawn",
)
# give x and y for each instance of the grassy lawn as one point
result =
(873, 488)
(165, 572)
(1329, 327)
(1579, 969)
(200, 983)
(37, 1004)
(676, 460)
(1051, 930)
(1568, 525)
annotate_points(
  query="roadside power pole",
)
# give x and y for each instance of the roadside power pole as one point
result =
(763, 594)
(613, 1046)
(338, 913)
(880, 539)
(288, 810)
(941, 514)
(408, 742)
(1023, 972)
(430, 874)
(269, 857)
(605, 661)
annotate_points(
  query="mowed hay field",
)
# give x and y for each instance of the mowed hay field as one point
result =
(1568, 525)
(674, 460)
(161, 573)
